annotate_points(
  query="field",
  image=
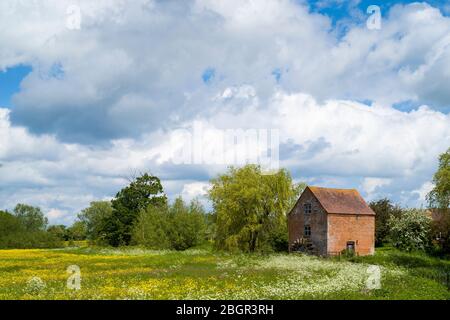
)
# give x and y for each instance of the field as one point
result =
(136, 273)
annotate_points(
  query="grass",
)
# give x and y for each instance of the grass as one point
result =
(135, 273)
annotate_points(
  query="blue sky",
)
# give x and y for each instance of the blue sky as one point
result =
(354, 107)
(340, 9)
(10, 80)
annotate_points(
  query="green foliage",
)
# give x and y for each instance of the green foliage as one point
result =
(9, 224)
(251, 207)
(176, 227)
(187, 224)
(152, 228)
(24, 229)
(439, 197)
(136, 273)
(77, 232)
(411, 230)
(142, 192)
(31, 218)
(95, 218)
(58, 231)
(384, 209)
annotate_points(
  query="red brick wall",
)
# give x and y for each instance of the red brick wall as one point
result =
(358, 228)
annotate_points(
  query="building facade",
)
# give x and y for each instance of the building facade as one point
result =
(327, 221)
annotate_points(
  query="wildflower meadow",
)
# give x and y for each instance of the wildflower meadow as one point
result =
(201, 273)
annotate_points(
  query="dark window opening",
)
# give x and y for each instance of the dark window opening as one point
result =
(307, 231)
(307, 208)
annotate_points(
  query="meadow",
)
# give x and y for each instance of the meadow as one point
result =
(201, 273)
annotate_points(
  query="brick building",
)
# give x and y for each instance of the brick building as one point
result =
(326, 221)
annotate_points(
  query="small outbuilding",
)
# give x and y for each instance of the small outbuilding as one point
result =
(327, 221)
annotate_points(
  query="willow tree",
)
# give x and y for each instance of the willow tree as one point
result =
(439, 197)
(251, 207)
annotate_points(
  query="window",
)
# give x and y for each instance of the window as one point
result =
(307, 208)
(307, 231)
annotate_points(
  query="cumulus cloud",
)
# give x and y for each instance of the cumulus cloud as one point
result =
(138, 67)
(108, 98)
(378, 149)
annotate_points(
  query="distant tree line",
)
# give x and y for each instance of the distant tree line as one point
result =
(25, 227)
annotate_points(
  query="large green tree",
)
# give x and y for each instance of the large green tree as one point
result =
(31, 218)
(251, 207)
(384, 209)
(439, 196)
(77, 231)
(95, 217)
(142, 192)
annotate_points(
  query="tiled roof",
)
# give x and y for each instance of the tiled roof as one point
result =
(345, 201)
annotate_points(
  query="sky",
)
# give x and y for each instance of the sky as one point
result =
(92, 93)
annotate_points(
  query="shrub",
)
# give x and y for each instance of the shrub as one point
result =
(411, 230)
(176, 226)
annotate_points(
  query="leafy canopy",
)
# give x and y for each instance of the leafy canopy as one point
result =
(95, 218)
(384, 209)
(142, 192)
(177, 226)
(250, 206)
(439, 196)
(31, 218)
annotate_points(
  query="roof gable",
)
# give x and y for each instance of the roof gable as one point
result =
(344, 201)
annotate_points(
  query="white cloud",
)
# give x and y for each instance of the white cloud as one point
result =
(133, 74)
(424, 190)
(159, 52)
(347, 142)
(194, 189)
(372, 184)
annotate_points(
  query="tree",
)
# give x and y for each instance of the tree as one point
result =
(152, 228)
(384, 209)
(31, 218)
(411, 230)
(59, 231)
(250, 207)
(187, 224)
(439, 196)
(142, 192)
(24, 229)
(177, 226)
(77, 231)
(9, 224)
(95, 218)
